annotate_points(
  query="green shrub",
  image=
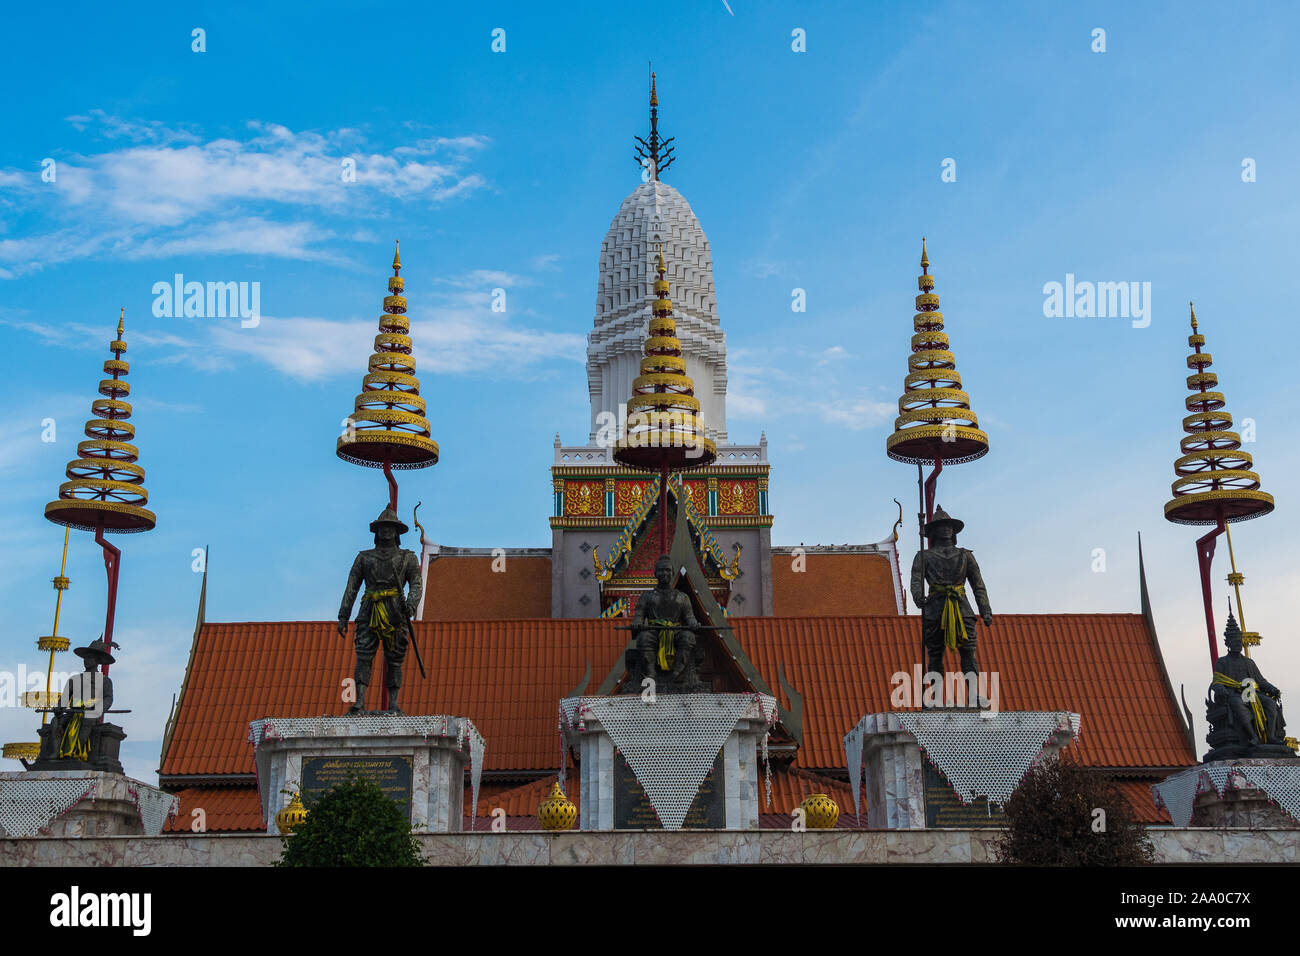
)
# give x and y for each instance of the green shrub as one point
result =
(353, 824)
(1051, 821)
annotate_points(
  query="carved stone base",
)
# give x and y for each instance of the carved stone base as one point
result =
(610, 795)
(74, 803)
(416, 760)
(1255, 751)
(105, 743)
(893, 768)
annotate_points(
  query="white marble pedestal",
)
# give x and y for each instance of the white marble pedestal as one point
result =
(80, 803)
(980, 752)
(1258, 793)
(669, 744)
(436, 747)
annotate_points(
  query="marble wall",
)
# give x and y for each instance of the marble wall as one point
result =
(644, 847)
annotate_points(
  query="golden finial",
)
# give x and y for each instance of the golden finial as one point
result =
(925, 257)
(654, 94)
(662, 267)
(397, 256)
(1193, 308)
(121, 322)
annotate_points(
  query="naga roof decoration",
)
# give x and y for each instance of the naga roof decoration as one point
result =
(707, 544)
(622, 546)
(617, 609)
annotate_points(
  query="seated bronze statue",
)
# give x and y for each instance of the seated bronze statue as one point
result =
(663, 627)
(77, 735)
(1243, 709)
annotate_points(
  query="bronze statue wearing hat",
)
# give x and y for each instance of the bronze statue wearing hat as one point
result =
(947, 620)
(384, 616)
(85, 699)
(1243, 709)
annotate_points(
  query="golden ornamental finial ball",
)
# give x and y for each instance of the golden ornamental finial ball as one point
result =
(557, 812)
(292, 816)
(820, 812)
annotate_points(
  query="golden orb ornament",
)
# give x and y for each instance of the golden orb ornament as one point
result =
(292, 816)
(820, 812)
(557, 812)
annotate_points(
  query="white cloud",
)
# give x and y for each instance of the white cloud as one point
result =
(169, 192)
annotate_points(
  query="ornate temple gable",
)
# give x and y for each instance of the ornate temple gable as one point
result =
(628, 567)
(725, 665)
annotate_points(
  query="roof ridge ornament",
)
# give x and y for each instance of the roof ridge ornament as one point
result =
(654, 155)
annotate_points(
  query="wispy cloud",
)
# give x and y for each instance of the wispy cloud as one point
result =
(801, 387)
(160, 191)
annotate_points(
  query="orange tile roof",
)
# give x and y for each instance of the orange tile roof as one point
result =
(466, 588)
(833, 584)
(508, 677)
(225, 809)
(1105, 667)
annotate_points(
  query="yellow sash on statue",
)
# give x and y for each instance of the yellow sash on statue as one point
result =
(379, 621)
(954, 628)
(70, 744)
(667, 645)
(1256, 708)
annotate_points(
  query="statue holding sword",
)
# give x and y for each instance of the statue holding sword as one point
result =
(385, 614)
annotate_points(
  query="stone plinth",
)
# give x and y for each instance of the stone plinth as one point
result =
(670, 744)
(982, 753)
(1262, 793)
(653, 848)
(80, 803)
(418, 760)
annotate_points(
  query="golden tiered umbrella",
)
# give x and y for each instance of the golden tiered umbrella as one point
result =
(105, 488)
(935, 423)
(1215, 483)
(54, 644)
(388, 428)
(665, 431)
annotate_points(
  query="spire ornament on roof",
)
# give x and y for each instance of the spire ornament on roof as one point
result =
(1216, 484)
(654, 155)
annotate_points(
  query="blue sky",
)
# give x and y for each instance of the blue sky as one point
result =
(817, 170)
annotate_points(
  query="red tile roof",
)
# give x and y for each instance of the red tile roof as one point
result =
(508, 677)
(466, 588)
(225, 809)
(1105, 667)
(833, 584)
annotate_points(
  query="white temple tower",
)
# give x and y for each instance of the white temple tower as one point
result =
(652, 214)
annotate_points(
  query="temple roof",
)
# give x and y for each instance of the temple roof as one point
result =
(508, 677)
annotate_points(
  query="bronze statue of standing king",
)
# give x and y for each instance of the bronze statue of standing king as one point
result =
(385, 614)
(947, 619)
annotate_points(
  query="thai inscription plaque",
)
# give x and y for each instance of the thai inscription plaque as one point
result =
(943, 809)
(632, 809)
(392, 774)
